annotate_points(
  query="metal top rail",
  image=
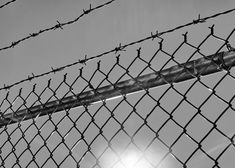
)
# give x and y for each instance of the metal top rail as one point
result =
(178, 73)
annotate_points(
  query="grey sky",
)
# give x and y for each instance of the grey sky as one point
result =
(121, 22)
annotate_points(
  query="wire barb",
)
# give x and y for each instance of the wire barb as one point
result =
(13, 44)
(58, 101)
(87, 11)
(57, 69)
(58, 25)
(33, 34)
(119, 48)
(116, 49)
(83, 61)
(6, 87)
(199, 20)
(31, 77)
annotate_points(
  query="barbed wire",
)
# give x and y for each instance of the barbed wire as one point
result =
(59, 25)
(7, 3)
(30, 105)
(119, 48)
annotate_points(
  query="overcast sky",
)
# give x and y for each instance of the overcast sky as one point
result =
(123, 21)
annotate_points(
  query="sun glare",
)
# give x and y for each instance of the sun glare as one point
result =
(133, 159)
(130, 159)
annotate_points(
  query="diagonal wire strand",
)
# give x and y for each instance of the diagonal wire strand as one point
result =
(7, 3)
(61, 129)
(115, 50)
(57, 26)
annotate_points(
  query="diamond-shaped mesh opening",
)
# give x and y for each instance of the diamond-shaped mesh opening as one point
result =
(42, 155)
(184, 53)
(157, 118)
(170, 96)
(91, 132)
(78, 85)
(144, 137)
(198, 99)
(116, 74)
(62, 91)
(227, 159)
(120, 141)
(186, 110)
(80, 123)
(97, 80)
(198, 127)
(213, 108)
(170, 132)
(226, 121)
(122, 112)
(158, 104)
(79, 150)
(200, 159)
(137, 67)
(211, 45)
(132, 124)
(65, 126)
(47, 129)
(45, 96)
(109, 158)
(145, 111)
(214, 144)
(222, 90)
(184, 142)
(110, 129)
(102, 117)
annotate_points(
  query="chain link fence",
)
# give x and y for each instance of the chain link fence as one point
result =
(147, 106)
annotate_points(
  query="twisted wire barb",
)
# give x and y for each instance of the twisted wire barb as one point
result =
(175, 74)
(115, 50)
(85, 90)
(59, 25)
(7, 3)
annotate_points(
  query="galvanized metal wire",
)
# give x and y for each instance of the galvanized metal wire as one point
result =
(120, 47)
(90, 117)
(7, 3)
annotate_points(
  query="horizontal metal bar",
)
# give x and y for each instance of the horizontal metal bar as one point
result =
(192, 69)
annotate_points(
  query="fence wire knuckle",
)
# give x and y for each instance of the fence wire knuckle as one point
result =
(116, 49)
(84, 118)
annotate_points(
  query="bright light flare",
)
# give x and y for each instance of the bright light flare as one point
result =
(130, 159)
(133, 159)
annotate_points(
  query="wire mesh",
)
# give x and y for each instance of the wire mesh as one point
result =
(121, 47)
(96, 116)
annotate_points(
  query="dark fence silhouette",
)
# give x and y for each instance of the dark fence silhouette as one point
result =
(95, 115)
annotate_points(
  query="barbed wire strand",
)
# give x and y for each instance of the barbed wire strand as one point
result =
(50, 100)
(115, 50)
(7, 3)
(59, 25)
